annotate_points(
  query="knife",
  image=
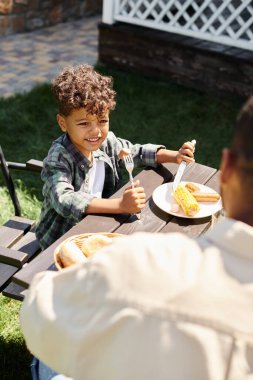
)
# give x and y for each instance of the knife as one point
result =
(180, 171)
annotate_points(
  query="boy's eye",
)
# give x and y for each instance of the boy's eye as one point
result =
(84, 123)
(87, 124)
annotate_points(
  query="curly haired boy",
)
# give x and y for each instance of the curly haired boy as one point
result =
(83, 166)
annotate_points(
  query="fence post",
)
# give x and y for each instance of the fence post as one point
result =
(108, 11)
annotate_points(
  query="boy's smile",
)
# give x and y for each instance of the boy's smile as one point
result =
(86, 131)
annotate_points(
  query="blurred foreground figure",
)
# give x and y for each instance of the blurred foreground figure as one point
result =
(158, 306)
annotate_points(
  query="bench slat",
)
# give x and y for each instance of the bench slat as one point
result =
(19, 223)
(17, 246)
(28, 244)
(12, 257)
(14, 291)
(6, 272)
(14, 229)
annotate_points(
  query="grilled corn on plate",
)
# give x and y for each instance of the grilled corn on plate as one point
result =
(186, 200)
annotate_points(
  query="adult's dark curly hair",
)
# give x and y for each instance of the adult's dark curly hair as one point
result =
(81, 86)
(242, 147)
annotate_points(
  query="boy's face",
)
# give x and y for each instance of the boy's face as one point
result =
(86, 131)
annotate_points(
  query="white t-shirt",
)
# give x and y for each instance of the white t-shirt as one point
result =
(97, 178)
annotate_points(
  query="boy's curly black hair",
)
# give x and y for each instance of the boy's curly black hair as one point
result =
(81, 86)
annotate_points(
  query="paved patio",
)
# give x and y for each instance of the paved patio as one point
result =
(31, 58)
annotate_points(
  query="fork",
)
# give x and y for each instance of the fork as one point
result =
(129, 164)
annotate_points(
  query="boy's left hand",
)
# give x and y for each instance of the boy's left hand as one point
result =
(186, 153)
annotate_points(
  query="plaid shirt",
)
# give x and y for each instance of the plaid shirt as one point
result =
(66, 181)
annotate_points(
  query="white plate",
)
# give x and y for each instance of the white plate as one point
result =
(162, 197)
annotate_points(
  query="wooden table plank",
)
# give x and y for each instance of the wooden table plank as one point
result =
(151, 220)
(192, 228)
(214, 182)
(198, 173)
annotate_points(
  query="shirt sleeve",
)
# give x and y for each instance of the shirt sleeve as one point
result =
(59, 191)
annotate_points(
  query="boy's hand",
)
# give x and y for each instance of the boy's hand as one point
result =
(133, 200)
(124, 152)
(186, 153)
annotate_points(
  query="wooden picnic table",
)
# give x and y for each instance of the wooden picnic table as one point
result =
(153, 219)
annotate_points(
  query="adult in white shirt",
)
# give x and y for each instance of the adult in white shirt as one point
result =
(158, 306)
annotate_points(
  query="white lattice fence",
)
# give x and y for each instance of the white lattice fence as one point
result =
(223, 21)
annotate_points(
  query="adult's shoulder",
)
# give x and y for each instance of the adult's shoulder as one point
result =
(168, 242)
(148, 255)
(231, 236)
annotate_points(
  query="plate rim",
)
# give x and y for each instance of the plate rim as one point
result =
(196, 216)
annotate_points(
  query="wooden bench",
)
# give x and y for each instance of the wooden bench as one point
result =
(18, 243)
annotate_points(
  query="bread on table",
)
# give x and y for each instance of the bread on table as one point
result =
(70, 254)
(94, 242)
(78, 248)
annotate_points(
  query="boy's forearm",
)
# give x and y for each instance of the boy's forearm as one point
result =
(104, 206)
(165, 155)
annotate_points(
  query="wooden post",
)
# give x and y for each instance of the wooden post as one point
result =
(108, 11)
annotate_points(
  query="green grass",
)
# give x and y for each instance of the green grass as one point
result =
(14, 357)
(147, 111)
(160, 112)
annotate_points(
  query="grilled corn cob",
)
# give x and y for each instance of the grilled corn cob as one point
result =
(186, 200)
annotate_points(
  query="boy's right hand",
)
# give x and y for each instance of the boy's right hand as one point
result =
(133, 200)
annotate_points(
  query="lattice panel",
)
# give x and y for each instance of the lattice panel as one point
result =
(225, 21)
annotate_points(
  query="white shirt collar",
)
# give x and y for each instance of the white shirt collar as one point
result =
(232, 236)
